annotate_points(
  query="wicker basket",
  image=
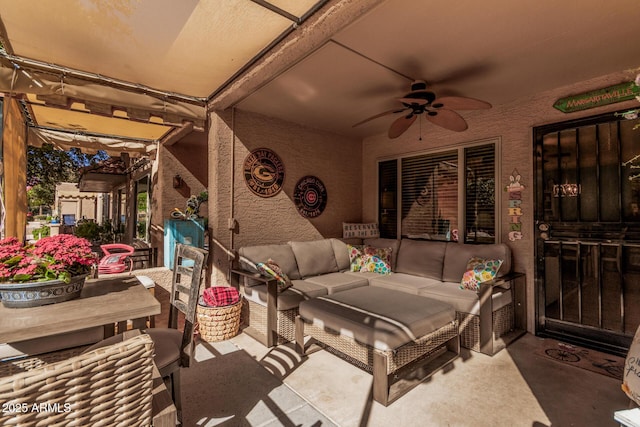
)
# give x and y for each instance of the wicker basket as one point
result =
(219, 323)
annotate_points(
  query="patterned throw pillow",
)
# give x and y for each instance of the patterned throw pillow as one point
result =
(355, 257)
(383, 253)
(478, 271)
(375, 264)
(357, 254)
(271, 269)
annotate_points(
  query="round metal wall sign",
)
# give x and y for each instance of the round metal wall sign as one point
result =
(310, 196)
(263, 172)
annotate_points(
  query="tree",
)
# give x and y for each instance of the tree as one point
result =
(48, 166)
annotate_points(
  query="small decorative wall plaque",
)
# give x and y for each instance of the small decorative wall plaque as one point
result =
(515, 189)
(310, 196)
(263, 172)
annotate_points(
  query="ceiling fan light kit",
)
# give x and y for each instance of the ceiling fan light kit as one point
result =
(439, 111)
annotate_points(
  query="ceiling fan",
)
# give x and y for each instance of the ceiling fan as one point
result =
(439, 111)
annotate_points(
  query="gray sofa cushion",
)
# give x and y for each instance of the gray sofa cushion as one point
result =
(457, 255)
(402, 282)
(337, 282)
(314, 257)
(421, 258)
(308, 289)
(464, 300)
(341, 252)
(386, 243)
(380, 318)
(281, 254)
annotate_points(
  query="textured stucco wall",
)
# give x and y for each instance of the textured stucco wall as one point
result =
(513, 124)
(165, 197)
(335, 159)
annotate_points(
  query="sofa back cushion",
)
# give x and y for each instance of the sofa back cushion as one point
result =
(341, 252)
(281, 254)
(314, 257)
(386, 243)
(421, 258)
(457, 255)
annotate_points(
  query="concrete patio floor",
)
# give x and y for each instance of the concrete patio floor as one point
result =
(239, 382)
(242, 383)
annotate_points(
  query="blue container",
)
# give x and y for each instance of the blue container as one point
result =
(188, 232)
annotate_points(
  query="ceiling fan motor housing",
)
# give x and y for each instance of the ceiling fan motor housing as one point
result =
(418, 85)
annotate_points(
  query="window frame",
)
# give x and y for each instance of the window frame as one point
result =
(461, 159)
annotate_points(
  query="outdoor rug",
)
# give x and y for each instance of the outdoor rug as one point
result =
(591, 360)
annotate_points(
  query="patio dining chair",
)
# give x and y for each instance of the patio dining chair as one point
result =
(116, 258)
(112, 385)
(174, 348)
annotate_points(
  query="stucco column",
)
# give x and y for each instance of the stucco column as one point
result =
(221, 140)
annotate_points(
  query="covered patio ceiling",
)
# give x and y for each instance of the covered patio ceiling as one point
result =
(132, 70)
(324, 64)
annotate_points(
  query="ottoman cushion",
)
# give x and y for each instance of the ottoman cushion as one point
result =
(381, 318)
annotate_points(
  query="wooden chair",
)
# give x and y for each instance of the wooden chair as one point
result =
(111, 385)
(174, 349)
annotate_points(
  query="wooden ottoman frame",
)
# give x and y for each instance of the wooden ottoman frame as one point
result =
(421, 357)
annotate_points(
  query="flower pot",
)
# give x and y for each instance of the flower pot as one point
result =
(34, 294)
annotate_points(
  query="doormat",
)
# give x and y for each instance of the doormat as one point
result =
(591, 360)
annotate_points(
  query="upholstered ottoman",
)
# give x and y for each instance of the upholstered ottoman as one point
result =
(388, 333)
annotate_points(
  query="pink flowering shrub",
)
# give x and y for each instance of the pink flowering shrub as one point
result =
(50, 258)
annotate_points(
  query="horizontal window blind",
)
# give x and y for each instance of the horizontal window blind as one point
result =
(430, 196)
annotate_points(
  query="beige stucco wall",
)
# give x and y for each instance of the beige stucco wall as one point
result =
(164, 197)
(513, 125)
(334, 159)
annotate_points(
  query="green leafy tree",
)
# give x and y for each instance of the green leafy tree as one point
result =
(48, 166)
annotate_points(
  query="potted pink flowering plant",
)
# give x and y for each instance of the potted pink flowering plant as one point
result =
(52, 269)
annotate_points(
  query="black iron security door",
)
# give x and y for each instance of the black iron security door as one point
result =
(588, 231)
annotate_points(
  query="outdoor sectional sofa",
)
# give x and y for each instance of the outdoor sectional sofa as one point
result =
(487, 319)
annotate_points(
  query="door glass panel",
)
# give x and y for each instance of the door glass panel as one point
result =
(589, 285)
(588, 173)
(630, 170)
(609, 178)
(566, 189)
(552, 279)
(612, 287)
(570, 285)
(550, 175)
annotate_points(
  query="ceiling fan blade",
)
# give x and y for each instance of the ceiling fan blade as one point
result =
(400, 125)
(460, 103)
(380, 115)
(447, 119)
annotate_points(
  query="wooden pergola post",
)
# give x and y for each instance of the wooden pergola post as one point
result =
(14, 170)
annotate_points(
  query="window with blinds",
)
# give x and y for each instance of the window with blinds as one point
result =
(480, 194)
(430, 196)
(439, 199)
(388, 186)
